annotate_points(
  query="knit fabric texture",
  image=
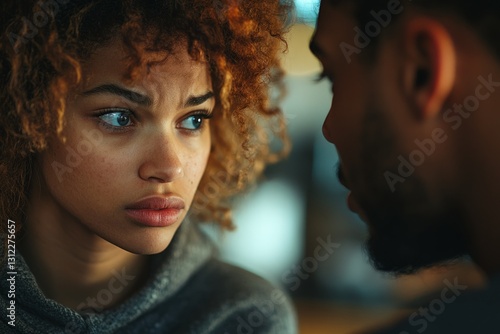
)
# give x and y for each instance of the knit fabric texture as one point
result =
(189, 291)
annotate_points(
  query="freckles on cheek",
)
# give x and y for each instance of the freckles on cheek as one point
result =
(194, 173)
(195, 170)
(101, 172)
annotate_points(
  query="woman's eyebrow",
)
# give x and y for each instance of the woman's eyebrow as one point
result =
(140, 99)
(132, 96)
(194, 101)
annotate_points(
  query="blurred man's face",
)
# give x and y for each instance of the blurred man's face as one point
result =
(413, 221)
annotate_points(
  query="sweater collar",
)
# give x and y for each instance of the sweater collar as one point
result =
(187, 252)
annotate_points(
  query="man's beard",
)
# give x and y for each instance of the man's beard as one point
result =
(409, 228)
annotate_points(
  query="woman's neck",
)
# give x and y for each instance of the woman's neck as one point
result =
(72, 265)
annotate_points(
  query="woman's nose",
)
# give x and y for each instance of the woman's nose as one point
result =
(162, 161)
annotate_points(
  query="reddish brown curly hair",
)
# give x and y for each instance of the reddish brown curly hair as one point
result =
(45, 43)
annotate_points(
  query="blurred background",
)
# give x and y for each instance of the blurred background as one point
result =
(295, 230)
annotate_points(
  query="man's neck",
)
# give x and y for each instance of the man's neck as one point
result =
(480, 184)
(484, 233)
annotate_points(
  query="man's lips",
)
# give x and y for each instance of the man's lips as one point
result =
(156, 211)
(341, 177)
(352, 204)
(342, 181)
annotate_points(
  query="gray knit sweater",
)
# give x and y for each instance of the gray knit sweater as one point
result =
(189, 291)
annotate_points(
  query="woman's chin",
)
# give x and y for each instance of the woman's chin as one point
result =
(148, 243)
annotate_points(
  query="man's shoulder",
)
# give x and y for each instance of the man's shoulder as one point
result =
(474, 311)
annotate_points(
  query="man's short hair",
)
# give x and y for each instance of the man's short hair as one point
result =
(483, 16)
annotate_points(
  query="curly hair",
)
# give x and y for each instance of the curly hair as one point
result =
(45, 43)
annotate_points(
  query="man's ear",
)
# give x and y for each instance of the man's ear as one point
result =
(429, 65)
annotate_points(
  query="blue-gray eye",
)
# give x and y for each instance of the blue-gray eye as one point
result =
(193, 122)
(117, 118)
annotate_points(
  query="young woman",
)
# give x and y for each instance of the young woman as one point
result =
(123, 123)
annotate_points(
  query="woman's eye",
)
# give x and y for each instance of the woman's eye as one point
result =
(117, 118)
(194, 122)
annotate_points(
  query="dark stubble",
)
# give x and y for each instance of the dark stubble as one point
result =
(408, 230)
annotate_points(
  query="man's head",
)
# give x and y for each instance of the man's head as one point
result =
(414, 82)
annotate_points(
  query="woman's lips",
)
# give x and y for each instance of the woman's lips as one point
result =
(156, 211)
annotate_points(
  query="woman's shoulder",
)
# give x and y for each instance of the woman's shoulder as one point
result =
(237, 283)
(223, 298)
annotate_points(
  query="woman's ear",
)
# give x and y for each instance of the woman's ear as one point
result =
(429, 65)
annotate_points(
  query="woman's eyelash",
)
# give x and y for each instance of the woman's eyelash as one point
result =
(113, 110)
(109, 118)
(207, 114)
